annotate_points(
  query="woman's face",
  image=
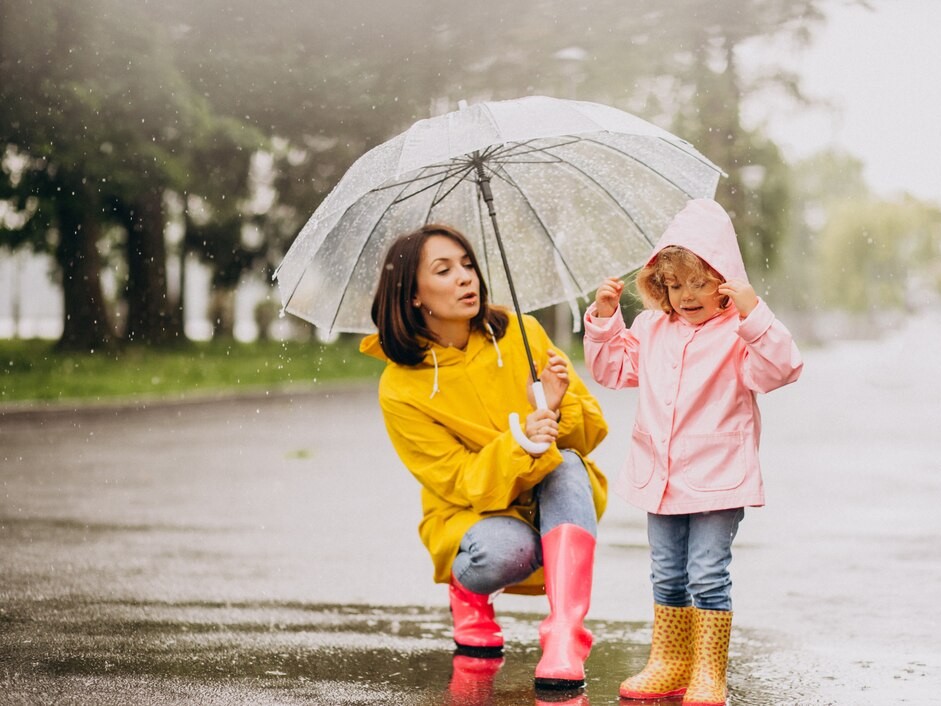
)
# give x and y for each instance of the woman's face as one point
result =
(447, 284)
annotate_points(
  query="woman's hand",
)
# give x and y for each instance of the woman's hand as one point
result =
(608, 297)
(541, 426)
(742, 295)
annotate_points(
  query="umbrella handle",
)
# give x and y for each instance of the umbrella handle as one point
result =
(528, 445)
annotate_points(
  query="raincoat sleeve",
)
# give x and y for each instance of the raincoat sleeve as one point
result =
(486, 479)
(611, 349)
(771, 356)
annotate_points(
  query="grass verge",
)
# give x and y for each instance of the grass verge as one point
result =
(33, 371)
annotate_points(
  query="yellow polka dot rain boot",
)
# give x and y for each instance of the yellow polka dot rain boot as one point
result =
(707, 685)
(671, 656)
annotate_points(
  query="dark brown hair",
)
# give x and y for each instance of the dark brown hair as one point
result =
(680, 265)
(400, 324)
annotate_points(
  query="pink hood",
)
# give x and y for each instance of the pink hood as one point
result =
(705, 228)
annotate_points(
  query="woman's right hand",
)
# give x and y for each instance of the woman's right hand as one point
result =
(608, 297)
(542, 426)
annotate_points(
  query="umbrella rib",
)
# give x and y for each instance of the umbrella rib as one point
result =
(446, 169)
(502, 175)
(434, 201)
(512, 148)
(359, 256)
(611, 196)
(639, 161)
(457, 183)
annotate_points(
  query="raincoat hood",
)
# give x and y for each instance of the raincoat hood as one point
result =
(437, 355)
(704, 228)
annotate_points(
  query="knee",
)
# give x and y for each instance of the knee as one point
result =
(570, 476)
(496, 559)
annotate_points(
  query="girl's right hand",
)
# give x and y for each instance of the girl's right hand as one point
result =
(608, 297)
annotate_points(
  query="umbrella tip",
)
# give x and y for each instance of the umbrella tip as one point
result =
(462, 104)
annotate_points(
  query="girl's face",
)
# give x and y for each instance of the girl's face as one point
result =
(447, 283)
(694, 302)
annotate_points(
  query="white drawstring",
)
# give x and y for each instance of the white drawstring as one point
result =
(434, 387)
(496, 346)
(434, 356)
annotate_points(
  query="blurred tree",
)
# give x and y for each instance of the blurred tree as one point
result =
(49, 123)
(173, 97)
(106, 125)
(863, 260)
(707, 37)
(854, 252)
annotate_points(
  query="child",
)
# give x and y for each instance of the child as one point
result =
(699, 353)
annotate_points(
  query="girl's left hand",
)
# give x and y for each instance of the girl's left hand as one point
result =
(742, 295)
(555, 381)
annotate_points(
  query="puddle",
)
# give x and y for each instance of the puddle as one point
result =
(202, 653)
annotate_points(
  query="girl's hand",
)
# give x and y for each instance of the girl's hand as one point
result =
(608, 297)
(555, 381)
(742, 295)
(541, 426)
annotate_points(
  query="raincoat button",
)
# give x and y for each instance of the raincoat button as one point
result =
(669, 402)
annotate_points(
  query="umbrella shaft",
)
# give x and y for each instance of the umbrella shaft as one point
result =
(483, 182)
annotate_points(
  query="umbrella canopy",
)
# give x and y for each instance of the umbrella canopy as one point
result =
(582, 190)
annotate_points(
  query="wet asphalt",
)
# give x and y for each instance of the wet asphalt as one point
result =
(261, 549)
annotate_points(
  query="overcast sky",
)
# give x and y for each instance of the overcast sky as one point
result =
(882, 69)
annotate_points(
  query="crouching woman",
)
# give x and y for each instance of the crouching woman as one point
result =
(495, 517)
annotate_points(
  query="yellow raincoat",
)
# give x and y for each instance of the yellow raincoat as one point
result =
(447, 419)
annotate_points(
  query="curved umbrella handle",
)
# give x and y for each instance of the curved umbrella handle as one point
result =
(533, 447)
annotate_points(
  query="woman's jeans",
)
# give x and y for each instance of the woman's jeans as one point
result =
(690, 556)
(497, 552)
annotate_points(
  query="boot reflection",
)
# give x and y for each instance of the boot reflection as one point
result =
(561, 698)
(472, 679)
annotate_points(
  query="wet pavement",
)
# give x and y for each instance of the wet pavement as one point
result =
(262, 550)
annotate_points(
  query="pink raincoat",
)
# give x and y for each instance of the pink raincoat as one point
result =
(694, 446)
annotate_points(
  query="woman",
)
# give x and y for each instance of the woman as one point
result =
(494, 516)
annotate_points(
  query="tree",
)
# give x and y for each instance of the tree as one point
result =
(93, 99)
(49, 119)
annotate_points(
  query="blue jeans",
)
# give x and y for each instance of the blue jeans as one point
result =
(497, 552)
(690, 556)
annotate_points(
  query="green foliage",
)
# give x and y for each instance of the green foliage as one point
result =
(33, 370)
(109, 103)
(872, 252)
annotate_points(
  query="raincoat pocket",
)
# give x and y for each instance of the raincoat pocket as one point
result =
(643, 460)
(711, 462)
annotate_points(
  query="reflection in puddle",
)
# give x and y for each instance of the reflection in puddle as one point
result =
(314, 654)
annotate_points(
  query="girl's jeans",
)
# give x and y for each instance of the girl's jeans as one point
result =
(690, 556)
(497, 552)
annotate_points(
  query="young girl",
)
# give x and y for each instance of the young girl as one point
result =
(699, 353)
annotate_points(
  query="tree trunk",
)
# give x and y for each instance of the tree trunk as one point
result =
(86, 325)
(152, 318)
(222, 312)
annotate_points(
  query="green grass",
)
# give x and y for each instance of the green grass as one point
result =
(33, 370)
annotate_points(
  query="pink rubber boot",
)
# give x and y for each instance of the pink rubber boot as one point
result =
(568, 557)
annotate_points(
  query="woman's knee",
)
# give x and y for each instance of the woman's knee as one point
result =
(569, 476)
(565, 496)
(495, 553)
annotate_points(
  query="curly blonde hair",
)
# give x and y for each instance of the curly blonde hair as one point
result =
(675, 264)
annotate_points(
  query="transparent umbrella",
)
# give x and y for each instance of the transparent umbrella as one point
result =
(555, 195)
